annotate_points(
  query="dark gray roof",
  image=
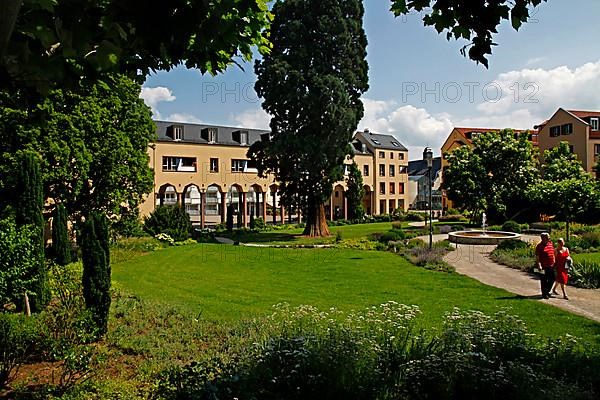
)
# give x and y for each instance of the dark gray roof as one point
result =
(192, 133)
(419, 167)
(381, 141)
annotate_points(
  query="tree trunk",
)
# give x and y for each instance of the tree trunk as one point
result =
(316, 223)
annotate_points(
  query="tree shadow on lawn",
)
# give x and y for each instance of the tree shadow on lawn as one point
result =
(264, 237)
(520, 297)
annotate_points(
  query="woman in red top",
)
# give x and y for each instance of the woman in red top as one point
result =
(562, 253)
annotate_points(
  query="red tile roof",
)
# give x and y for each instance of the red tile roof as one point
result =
(584, 114)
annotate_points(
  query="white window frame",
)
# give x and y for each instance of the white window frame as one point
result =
(595, 123)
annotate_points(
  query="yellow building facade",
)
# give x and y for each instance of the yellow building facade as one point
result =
(206, 169)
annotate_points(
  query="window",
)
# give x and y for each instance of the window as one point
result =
(377, 142)
(392, 188)
(244, 137)
(366, 170)
(395, 144)
(214, 165)
(571, 148)
(180, 164)
(382, 154)
(596, 149)
(391, 155)
(381, 206)
(177, 132)
(566, 129)
(400, 156)
(391, 206)
(209, 134)
(337, 194)
(594, 123)
(392, 170)
(238, 165)
(554, 131)
(381, 187)
(381, 169)
(169, 196)
(402, 169)
(400, 188)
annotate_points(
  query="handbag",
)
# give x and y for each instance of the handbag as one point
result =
(568, 264)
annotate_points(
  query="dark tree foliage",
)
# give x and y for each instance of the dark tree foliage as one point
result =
(229, 222)
(61, 245)
(172, 220)
(355, 192)
(93, 143)
(29, 204)
(96, 278)
(473, 20)
(57, 42)
(311, 83)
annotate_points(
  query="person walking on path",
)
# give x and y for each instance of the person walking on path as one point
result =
(562, 255)
(545, 259)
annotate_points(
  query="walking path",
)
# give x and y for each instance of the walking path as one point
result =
(474, 261)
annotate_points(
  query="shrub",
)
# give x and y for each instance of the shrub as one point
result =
(512, 245)
(585, 274)
(397, 225)
(171, 220)
(445, 229)
(338, 236)
(415, 216)
(515, 254)
(391, 236)
(457, 228)
(452, 218)
(453, 211)
(96, 269)
(18, 335)
(590, 239)
(257, 224)
(61, 245)
(511, 226)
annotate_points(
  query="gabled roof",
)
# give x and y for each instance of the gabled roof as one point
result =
(584, 114)
(192, 133)
(380, 141)
(419, 167)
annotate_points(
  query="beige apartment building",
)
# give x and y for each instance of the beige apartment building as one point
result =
(580, 128)
(205, 168)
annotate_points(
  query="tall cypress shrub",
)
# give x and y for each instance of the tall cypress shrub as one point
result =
(29, 204)
(96, 269)
(61, 246)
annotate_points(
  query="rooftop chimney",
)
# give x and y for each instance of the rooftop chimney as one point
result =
(367, 131)
(363, 147)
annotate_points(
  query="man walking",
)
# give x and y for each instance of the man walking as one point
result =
(545, 258)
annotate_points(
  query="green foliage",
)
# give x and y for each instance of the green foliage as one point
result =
(96, 269)
(494, 176)
(258, 224)
(560, 163)
(475, 21)
(311, 83)
(229, 221)
(511, 226)
(93, 141)
(129, 224)
(512, 245)
(61, 245)
(338, 236)
(19, 261)
(355, 192)
(124, 40)
(171, 220)
(18, 336)
(585, 274)
(515, 254)
(29, 203)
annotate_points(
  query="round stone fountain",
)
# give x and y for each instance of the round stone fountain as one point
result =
(482, 236)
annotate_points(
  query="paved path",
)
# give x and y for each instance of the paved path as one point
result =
(474, 261)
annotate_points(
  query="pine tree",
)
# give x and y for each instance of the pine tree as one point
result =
(29, 212)
(355, 193)
(311, 83)
(61, 245)
(96, 269)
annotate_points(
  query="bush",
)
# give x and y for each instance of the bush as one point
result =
(585, 274)
(397, 225)
(257, 224)
(338, 236)
(18, 336)
(452, 218)
(415, 216)
(453, 211)
(515, 254)
(171, 220)
(512, 245)
(392, 236)
(511, 226)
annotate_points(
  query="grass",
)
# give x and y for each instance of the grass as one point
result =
(294, 235)
(229, 283)
(586, 257)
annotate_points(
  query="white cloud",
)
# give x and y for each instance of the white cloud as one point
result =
(534, 61)
(183, 117)
(154, 95)
(542, 91)
(257, 119)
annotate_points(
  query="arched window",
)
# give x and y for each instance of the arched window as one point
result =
(213, 201)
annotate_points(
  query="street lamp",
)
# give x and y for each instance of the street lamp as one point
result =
(428, 156)
(202, 205)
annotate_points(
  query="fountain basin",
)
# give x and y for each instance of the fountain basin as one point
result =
(480, 237)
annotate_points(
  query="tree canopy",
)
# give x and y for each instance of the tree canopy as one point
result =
(93, 143)
(311, 83)
(493, 175)
(55, 43)
(474, 20)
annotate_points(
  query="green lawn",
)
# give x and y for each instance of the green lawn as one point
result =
(224, 282)
(294, 236)
(590, 257)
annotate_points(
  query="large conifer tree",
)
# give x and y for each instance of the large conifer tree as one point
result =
(311, 83)
(355, 192)
(61, 246)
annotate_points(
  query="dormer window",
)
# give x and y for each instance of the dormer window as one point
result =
(210, 135)
(395, 144)
(177, 132)
(241, 137)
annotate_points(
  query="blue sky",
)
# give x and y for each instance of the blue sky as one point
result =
(420, 85)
